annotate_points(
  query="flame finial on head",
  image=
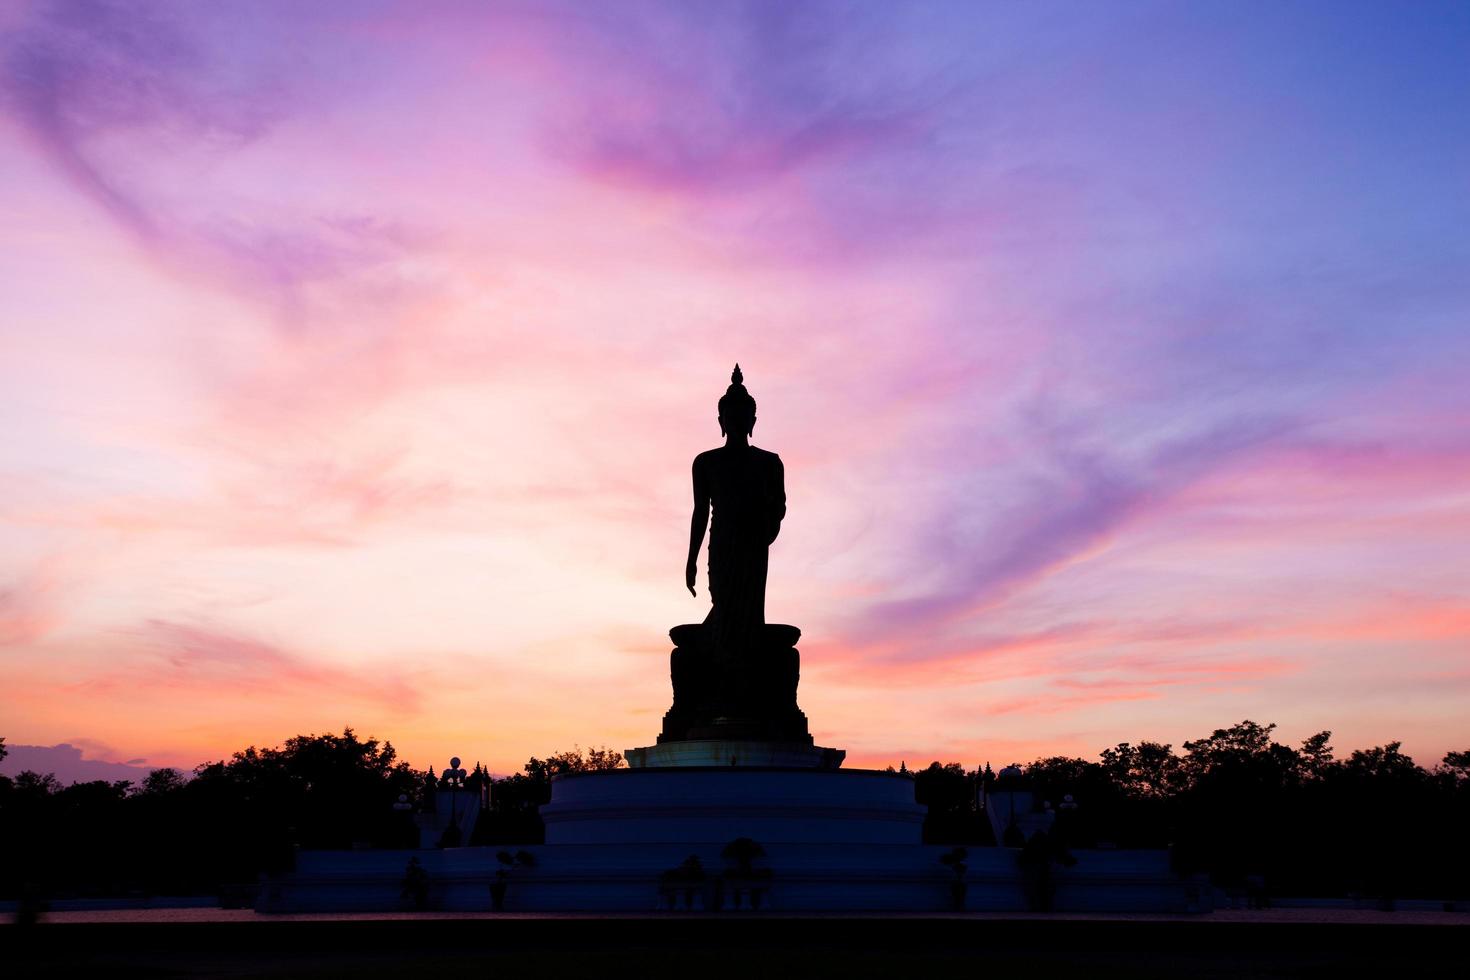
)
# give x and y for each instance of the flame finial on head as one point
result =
(736, 398)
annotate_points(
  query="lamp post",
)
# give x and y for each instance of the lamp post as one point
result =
(1011, 772)
(403, 823)
(1066, 817)
(453, 778)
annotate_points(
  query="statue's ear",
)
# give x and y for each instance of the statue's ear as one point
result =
(751, 431)
(721, 419)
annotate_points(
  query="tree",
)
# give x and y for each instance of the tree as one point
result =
(1383, 762)
(317, 791)
(595, 759)
(1231, 814)
(1455, 766)
(1316, 755)
(1148, 770)
(1054, 776)
(514, 800)
(948, 790)
(32, 783)
(161, 781)
(943, 786)
(1244, 746)
(1101, 810)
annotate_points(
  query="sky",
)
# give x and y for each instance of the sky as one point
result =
(353, 355)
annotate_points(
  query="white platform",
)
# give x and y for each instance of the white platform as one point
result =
(803, 878)
(710, 752)
(833, 840)
(717, 805)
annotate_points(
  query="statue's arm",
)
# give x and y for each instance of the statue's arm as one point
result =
(778, 498)
(698, 521)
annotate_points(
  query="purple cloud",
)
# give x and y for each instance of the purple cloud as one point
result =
(80, 71)
(107, 90)
(66, 761)
(723, 99)
(1085, 495)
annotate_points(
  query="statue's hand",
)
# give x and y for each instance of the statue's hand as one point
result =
(689, 577)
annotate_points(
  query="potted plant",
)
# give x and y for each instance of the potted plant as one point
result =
(745, 876)
(955, 861)
(508, 863)
(686, 879)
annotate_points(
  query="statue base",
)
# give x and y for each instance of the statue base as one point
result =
(715, 752)
(746, 696)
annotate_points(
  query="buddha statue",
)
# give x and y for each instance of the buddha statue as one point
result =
(746, 489)
(735, 675)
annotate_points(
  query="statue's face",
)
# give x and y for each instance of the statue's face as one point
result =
(737, 421)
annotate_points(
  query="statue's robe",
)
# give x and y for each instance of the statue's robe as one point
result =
(746, 488)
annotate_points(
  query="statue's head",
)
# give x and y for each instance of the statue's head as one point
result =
(737, 408)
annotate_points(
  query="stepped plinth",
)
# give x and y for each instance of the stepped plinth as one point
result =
(735, 710)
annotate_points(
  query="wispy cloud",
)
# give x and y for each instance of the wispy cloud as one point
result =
(81, 72)
(1064, 514)
(27, 607)
(191, 660)
(727, 100)
(128, 99)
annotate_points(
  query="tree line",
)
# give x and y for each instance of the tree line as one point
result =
(1238, 805)
(215, 830)
(1235, 804)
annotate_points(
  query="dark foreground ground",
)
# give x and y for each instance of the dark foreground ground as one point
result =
(760, 947)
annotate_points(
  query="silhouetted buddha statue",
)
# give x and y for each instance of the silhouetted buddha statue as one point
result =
(735, 675)
(746, 486)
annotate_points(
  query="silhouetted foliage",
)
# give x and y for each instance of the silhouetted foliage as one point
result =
(316, 791)
(594, 759)
(1236, 805)
(161, 781)
(742, 852)
(233, 819)
(1455, 767)
(1241, 807)
(512, 817)
(949, 792)
(1148, 770)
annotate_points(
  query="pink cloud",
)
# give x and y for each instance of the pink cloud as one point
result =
(190, 661)
(27, 607)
